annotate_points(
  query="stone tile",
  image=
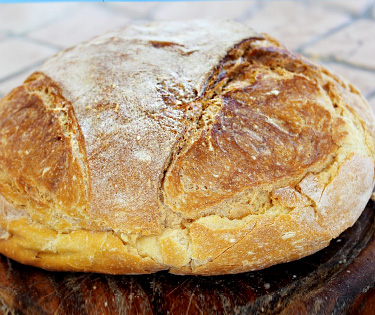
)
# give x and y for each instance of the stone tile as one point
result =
(362, 79)
(18, 54)
(134, 10)
(17, 18)
(353, 44)
(372, 104)
(295, 22)
(354, 8)
(8, 85)
(90, 20)
(237, 10)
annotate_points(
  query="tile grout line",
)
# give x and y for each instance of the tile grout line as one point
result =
(251, 10)
(370, 95)
(44, 43)
(147, 15)
(333, 59)
(366, 15)
(258, 5)
(19, 72)
(24, 35)
(322, 36)
(26, 38)
(37, 27)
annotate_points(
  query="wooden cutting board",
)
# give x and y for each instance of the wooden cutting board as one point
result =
(331, 281)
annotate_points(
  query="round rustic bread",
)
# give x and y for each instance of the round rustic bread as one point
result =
(200, 147)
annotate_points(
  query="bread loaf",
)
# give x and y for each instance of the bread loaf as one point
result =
(197, 147)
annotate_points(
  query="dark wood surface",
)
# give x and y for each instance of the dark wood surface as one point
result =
(337, 280)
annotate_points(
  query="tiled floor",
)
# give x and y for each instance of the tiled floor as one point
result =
(338, 33)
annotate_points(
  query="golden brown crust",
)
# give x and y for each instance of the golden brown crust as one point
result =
(235, 154)
(274, 128)
(36, 244)
(301, 232)
(39, 167)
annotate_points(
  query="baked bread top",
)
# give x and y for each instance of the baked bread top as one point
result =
(200, 147)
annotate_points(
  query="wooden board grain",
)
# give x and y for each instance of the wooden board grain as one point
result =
(332, 281)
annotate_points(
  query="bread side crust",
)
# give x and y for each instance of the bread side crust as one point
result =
(305, 230)
(81, 250)
(253, 243)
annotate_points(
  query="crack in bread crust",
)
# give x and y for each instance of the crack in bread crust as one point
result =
(219, 114)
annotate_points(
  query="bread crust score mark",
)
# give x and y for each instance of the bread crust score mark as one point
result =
(311, 147)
